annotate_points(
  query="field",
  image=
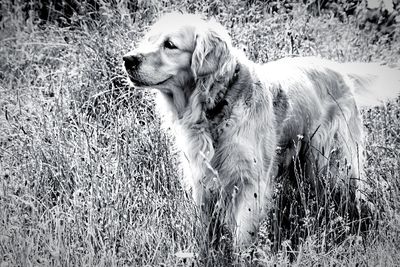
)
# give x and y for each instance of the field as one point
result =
(87, 178)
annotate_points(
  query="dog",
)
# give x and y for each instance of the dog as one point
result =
(241, 125)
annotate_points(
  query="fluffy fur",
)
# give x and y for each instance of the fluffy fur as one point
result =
(240, 125)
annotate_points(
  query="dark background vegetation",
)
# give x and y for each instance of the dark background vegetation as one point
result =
(88, 178)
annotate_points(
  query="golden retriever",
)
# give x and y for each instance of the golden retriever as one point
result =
(239, 124)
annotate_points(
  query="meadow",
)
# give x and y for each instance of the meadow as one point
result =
(87, 178)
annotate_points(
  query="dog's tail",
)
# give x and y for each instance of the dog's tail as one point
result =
(372, 83)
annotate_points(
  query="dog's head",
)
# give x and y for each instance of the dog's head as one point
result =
(177, 51)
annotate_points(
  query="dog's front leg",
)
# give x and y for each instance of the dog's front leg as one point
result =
(248, 208)
(247, 188)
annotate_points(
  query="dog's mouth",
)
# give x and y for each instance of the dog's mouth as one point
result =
(140, 83)
(136, 81)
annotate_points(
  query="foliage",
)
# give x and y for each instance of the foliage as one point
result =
(88, 178)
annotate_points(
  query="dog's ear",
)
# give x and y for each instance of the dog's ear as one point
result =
(212, 52)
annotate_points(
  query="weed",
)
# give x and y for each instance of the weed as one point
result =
(88, 178)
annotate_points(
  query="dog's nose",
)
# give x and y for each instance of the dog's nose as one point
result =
(132, 61)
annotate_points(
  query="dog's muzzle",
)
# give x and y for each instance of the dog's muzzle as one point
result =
(132, 61)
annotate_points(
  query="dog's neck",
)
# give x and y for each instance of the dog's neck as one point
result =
(202, 98)
(218, 104)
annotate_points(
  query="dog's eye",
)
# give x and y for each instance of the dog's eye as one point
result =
(169, 45)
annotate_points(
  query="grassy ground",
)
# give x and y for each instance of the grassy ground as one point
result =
(87, 177)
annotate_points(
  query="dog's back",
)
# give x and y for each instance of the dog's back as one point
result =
(321, 123)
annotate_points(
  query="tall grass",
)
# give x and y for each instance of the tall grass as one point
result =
(88, 178)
